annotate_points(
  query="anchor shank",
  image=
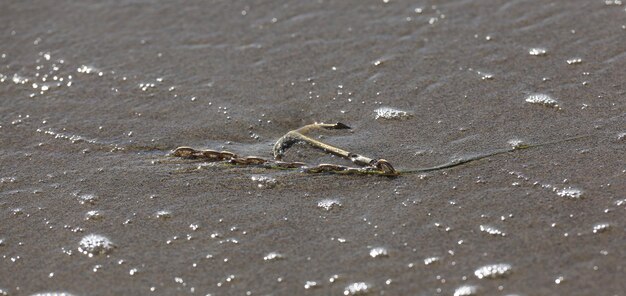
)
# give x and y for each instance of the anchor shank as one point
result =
(356, 158)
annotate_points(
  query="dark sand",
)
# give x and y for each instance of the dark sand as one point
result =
(149, 76)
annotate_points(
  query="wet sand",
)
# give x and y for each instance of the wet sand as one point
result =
(93, 96)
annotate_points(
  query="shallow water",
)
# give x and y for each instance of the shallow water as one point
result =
(93, 96)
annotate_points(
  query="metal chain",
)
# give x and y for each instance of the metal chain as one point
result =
(381, 167)
(369, 165)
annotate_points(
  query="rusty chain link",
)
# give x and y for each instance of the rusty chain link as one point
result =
(229, 157)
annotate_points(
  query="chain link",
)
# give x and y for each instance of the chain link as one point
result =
(369, 166)
(381, 166)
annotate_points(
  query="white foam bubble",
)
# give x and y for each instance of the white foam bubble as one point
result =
(359, 288)
(466, 290)
(86, 69)
(264, 182)
(537, 51)
(163, 215)
(8, 180)
(93, 215)
(574, 61)
(379, 252)
(17, 79)
(570, 192)
(328, 204)
(543, 99)
(602, 227)
(391, 113)
(491, 230)
(559, 280)
(431, 260)
(493, 271)
(87, 198)
(311, 285)
(517, 144)
(95, 244)
(272, 256)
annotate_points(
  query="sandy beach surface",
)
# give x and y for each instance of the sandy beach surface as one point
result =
(94, 95)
